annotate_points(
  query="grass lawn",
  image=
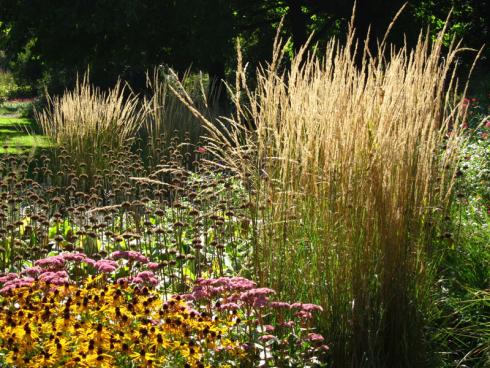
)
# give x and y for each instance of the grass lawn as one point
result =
(16, 131)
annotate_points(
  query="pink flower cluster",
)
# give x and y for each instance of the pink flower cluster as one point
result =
(106, 265)
(33, 271)
(53, 269)
(145, 277)
(14, 283)
(55, 278)
(305, 309)
(58, 262)
(314, 337)
(152, 266)
(237, 291)
(257, 298)
(52, 263)
(209, 288)
(11, 281)
(130, 255)
(9, 277)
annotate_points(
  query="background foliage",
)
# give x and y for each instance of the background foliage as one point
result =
(46, 43)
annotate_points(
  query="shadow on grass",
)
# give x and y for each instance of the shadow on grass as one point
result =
(16, 135)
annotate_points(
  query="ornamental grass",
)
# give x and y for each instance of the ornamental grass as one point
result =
(352, 157)
(167, 116)
(88, 122)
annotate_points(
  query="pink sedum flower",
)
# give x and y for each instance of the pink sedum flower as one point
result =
(53, 263)
(269, 328)
(32, 271)
(106, 265)
(267, 337)
(130, 255)
(314, 337)
(8, 277)
(152, 266)
(73, 257)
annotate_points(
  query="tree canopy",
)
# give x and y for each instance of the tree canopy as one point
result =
(47, 42)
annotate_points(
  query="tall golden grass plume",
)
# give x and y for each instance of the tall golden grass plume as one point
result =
(88, 121)
(352, 160)
(97, 110)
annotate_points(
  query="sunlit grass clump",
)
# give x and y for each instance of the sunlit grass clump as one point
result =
(88, 122)
(353, 158)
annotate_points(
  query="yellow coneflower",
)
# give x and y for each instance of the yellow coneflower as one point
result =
(85, 326)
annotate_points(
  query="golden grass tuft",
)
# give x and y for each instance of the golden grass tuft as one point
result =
(88, 122)
(353, 166)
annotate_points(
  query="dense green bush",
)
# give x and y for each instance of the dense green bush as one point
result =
(460, 323)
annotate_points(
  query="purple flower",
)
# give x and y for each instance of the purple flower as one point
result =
(32, 271)
(8, 277)
(208, 288)
(280, 305)
(90, 261)
(256, 293)
(307, 307)
(56, 278)
(314, 337)
(145, 277)
(303, 314)
(311, 307)
(16, 283)
(52, 263)
(106, 265)
(256, 297)
(123, 280)
(229, 306)
(130, 255)
(288, 324)
(152, 265)
(118, 254)
(74, 257)
(267, 337)
(269, 328)
(19, 281)
(137, 280)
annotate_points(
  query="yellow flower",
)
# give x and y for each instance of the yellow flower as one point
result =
(95, 324)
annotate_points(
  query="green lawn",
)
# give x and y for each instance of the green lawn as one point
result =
(10, 121)
(15, 135)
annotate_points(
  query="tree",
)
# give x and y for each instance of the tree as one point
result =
(113, 38)
(50, 41)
